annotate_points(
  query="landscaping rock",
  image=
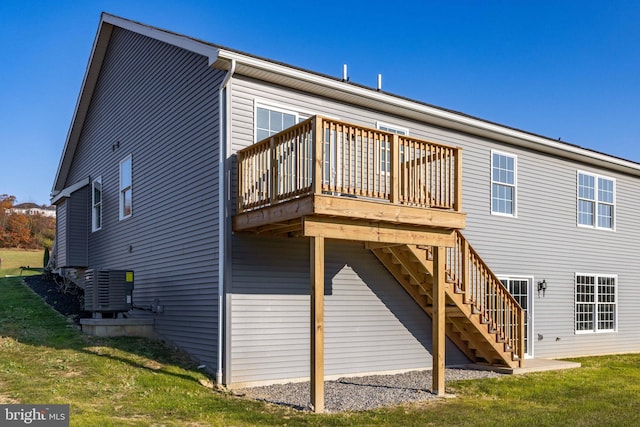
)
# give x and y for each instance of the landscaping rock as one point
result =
(361, 393)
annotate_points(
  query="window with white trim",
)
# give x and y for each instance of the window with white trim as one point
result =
(596, 201)
(503, 183)
(96, 204)
(596, 303)
(126, 188)
(270, 121)
(385, 148)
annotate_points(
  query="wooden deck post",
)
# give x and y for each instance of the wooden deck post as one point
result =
(438, 320)
(273, 184)
(521, 332)
(464, 247)
(317, 323)
(395, 168)
(316, 173)
(458, 181)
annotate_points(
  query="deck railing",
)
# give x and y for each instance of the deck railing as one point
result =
(326, 156)
(489, 297)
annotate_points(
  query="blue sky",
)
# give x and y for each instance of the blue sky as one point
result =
(562, 69)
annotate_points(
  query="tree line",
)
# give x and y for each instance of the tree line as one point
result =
(18, 230)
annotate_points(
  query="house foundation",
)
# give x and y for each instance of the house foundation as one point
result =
(118, 327)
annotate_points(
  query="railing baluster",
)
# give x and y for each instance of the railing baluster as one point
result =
(366, 147)
(394, 173)
(415, 172)
(340, 149)
(487, 294)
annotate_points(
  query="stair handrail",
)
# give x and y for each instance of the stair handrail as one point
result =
(488, 295)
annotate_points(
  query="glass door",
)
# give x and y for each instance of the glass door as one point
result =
(520, 288)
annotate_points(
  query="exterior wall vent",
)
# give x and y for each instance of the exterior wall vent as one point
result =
(108, 291)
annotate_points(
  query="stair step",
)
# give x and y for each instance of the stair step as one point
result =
(412, 267)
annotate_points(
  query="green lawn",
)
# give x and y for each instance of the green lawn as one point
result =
(13, 259)
(138, 382)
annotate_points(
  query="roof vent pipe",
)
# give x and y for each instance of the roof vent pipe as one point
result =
(345, 78)
(379, 82)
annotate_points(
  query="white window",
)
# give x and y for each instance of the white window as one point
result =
(125, 188)
(271, 120)
(596, 303)
(96, 203)
(503, 183)
(596, 201)
(385, 148)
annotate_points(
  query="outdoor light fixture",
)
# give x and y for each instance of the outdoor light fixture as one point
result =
(542, 286)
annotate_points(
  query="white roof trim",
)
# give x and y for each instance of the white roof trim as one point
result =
(314, 82)
(82, 103)
(177, 40)
(442, 117)
(70, 189)
(98, 51)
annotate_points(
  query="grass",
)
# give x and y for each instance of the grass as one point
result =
(139, 382)
(13, 259)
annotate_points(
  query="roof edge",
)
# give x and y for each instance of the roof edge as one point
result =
(350, 92)
(437, 115)
(92, 72)
(175, 39)
(66, 192)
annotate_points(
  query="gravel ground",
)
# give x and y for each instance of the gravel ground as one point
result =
(344, 394)
(361, 393)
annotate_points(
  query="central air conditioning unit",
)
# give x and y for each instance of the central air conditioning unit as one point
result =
(108, 291)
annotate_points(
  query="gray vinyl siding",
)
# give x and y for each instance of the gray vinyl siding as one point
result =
(61, 233)
(72, 227)
(543, 241)
(371, 324)
(158, 103)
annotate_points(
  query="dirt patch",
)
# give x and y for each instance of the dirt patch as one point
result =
(6, 400)
(66, 303)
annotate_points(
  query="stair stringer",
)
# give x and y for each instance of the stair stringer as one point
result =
(410, 266)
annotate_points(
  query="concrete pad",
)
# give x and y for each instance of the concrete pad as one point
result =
(118, 327)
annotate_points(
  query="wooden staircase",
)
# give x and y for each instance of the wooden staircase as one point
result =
(482, 317)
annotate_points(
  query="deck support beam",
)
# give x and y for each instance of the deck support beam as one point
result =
(438, 320)
(368, 231)
(317, 323)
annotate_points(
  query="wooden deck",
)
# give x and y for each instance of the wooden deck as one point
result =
(347, 218)
(332, 179)
(326, 179)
